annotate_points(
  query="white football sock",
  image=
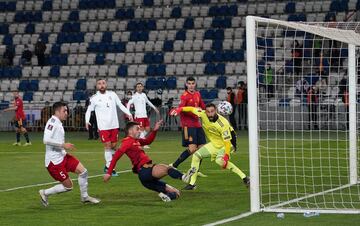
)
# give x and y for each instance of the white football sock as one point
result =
(108, 156)
(59, 188)
(83, 183)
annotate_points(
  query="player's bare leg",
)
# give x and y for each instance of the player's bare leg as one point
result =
(109, 150)
(65, 186)
(83, 185)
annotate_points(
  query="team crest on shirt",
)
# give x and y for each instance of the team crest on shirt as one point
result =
(136, 144)
(52, 120)
(50, 127)
(226, 133)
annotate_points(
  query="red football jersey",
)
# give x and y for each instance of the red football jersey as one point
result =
(188, 99)
(19, 112)
(132, 148)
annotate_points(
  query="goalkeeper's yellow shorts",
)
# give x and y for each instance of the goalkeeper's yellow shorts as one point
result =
(209, 150)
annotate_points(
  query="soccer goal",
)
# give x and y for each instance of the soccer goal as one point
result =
(302, 90)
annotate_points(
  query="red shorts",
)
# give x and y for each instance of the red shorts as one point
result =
(144, 122)
(110, 135)
(60, 171)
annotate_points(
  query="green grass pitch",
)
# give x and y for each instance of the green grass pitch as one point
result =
(124, 200)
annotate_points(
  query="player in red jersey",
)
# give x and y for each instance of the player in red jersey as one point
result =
(20, 119)
(193, 136)
(149, 173)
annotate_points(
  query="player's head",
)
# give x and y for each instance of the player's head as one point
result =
(16, 94)
(210, 111)
(228, 89)
(101, 85)
(139, 87)
(60, 110)
(190, 84)
(132, 129)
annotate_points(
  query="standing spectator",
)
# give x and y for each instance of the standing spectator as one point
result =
(313, 106)
(40, 48)
(231, 99)
(93, 129)
(241, 102)
(9, 56)
(302, 87)
(269, 81)
(321, 86)
(297, 57)
(79, 113)
(26, 57)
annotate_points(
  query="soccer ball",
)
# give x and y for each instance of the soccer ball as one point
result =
(224, 108)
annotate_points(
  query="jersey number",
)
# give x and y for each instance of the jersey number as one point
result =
(62, 174)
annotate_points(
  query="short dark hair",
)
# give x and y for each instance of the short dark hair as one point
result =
(58, 105)
(99, 79)
(191, 79)
(208, 105)
(129, 125)
(139, 83)
(228, 88)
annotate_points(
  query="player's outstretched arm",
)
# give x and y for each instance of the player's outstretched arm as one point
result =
(114, 160)
(151, 137)
(195, 111)
(152, 105)
(122, 107)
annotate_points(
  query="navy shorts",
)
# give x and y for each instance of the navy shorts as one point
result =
(150, 182)
(193, 135)
(19, 123)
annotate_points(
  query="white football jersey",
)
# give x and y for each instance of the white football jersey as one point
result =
(54, 137)
(104, 106)
(140, 100)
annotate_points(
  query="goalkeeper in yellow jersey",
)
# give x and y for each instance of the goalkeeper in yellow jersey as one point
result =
(220, 134)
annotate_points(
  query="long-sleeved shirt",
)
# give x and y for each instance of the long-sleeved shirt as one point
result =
(139, 100)
(132, 147)
(54, 138)
(104, 105)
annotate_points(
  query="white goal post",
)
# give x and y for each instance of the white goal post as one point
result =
(302, 102)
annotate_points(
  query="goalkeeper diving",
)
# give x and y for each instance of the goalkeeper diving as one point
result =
(222, 141)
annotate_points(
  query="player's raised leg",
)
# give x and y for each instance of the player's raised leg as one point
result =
(232, 167)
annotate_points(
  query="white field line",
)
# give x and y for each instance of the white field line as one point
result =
(227, 220)
(81, 152)
(55, 182)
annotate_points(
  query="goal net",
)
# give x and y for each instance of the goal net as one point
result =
(302, 92)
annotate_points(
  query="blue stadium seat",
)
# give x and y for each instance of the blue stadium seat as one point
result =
(217, 45)
(151, 70)
(204, 94)
(44, 37)
(74, 15)
(209, 69)
(8, 40)
(4, 29)
(208, 56)
(34, 85)
(80, 95)
(220, 68)
(180, 35)
(218, 56)
(55, 71)
(16, 72)
(189, 23)
(122, 70)
(28, 96)
(148, 2)
(151, 84)
(161, 70)
(290, 8)
(171, 82)
(81, 84)
(55, 49)
(47, 5)
(221, 82)
(107, 36)
(176, 12)
(269, 54)
(30, 29)
(213, 94)
(168, 46)
(100, 59)
(119, 47)
(24, 85)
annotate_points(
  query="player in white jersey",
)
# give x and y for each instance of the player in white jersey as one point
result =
(139, 100)
(58, 162)
(104, 104)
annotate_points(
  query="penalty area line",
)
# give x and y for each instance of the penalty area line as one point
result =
(55, 182)
(227, 220)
